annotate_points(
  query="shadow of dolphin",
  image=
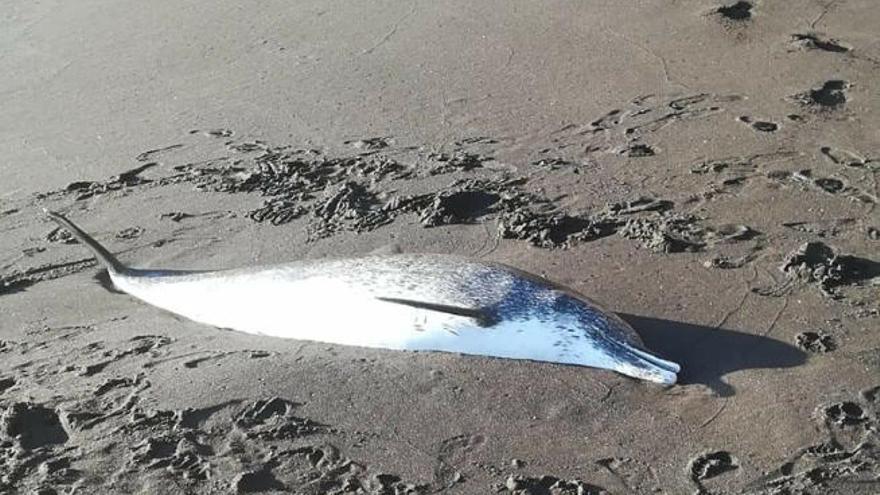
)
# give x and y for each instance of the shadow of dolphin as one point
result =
(706, 354)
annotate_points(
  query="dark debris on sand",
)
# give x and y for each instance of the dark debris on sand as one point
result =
(457, 161)
(819, 264)
(831, 95)
(740, 11)
(547, 485)
(321, 190)
(816, 342)
(345, 194)
(87, 189)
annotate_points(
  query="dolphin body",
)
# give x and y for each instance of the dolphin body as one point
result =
(424, 302)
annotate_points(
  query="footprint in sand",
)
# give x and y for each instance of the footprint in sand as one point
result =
(519, 484)
(33, 448)
(451, 454)
(846, 413)
(759, 125)
(844, 157)
(637, 150)
(710, 465)
(6, 383)
(815, 41)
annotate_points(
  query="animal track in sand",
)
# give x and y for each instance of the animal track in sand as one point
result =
(112, 384)
(6, 383)
(546, 485)
(558, 164)
(871, 396)
(147, 155)
(87, 189)
(816, 262)
(206, 356)
(710, 465)
(759, 125)
(371, 144)
(216, 133)
(250, 354)
(242, 448)
(637, 150)
(816, 342)
(633, 476)
(129, 233)
(261, 480)
(273, 419)
(830, 185)
(820, 265)
(61, 236)
(844, 157)
(32, 426)
(824, 228)
(458, 161)
(622, 128)
(141, 344)
(731, 173)
(458, 207)
(845, 413)
(831, 95)
(18, 281)
(451, 454)
(815, 41)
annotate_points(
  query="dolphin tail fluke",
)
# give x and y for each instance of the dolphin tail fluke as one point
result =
(108, 260)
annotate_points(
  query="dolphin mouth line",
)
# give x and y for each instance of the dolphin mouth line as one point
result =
(658, 362)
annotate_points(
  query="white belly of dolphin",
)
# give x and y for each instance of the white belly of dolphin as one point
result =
(326, 309)
(317, 308)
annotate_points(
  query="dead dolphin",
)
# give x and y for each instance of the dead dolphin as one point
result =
(423, 302)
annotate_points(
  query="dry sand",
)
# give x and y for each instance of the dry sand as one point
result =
(710, 174)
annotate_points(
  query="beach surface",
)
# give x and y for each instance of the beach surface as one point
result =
(707, 170)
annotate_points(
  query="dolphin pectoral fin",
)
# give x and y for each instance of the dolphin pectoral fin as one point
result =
(482, 317)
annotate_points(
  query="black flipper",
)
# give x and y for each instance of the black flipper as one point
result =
(482, 317)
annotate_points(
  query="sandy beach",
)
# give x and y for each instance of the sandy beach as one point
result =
(707, 170)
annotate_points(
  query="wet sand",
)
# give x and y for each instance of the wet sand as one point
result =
(707, 170)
